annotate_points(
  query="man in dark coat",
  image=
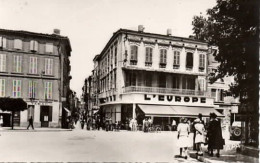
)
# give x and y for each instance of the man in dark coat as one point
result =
(30, 123)
(215, 139)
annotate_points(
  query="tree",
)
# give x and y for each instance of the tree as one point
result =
(13, 105)
(232, 25)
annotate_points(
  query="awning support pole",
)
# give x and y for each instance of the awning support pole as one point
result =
(134, 106)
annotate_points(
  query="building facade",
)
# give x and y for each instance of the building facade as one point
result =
(36, 68)
(141, 74)
(152, 75)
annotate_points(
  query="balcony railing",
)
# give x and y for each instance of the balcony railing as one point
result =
(130, 89)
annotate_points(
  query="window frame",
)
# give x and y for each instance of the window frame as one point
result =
(3, 62)
(148, 56)
(17, 87)
(2, 87)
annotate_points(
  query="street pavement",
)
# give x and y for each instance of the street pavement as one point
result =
(89, 146)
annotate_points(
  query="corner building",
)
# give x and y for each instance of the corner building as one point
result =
(152, 75)
(35, 67)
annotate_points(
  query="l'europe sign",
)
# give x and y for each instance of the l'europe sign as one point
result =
(176, 99)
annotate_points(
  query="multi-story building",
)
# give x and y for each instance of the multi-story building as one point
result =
(160, 76)
(36, 68)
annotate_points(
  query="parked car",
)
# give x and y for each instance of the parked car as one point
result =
(236, 130)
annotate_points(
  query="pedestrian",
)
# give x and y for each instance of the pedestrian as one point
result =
(200, 136)
(82, 123)
(150, 121)
(1, 121)
(183, 142)
(98, 123)
(107, 124)
(174, 126)
(194, 131)
(134, 124)
(146, 125)
(30, 123)
(215, 139)
(131, 122)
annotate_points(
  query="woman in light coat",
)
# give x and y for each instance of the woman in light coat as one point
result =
(183, 141)
(200, 136)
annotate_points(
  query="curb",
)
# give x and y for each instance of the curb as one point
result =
(35, 130)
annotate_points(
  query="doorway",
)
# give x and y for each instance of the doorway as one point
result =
(45, 115)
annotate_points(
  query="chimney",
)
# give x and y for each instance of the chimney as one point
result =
(140, 28)
(56, 31)
(169, 32)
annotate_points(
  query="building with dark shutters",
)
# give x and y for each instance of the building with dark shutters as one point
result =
(160, 76)
(36, 68)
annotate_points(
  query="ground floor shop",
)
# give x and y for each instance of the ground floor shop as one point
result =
(44, 114)
(162, 115)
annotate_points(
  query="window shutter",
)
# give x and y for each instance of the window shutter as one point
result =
(2, 42)
(18, 44)
(49, 48)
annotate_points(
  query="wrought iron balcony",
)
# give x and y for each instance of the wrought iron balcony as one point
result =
(141, 89)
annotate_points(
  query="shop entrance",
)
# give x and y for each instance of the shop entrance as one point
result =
(45, 115)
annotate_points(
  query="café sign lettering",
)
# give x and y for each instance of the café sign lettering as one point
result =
(171, 98)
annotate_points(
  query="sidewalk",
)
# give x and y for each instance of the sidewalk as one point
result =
(24, 129)
(228, 154)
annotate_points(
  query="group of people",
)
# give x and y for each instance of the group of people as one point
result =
(133, 124)
(210, 134)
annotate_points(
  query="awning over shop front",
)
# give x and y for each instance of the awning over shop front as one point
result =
(157, 110)
(177, 111)
(194, 111)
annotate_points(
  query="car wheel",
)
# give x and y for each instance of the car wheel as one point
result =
(237, 132)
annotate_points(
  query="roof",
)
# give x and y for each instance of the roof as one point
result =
(152, 35)
(43, 35)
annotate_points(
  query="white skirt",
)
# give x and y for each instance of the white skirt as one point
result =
(199, 138)
(183, 141)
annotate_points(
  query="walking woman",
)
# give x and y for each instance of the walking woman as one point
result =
(200, 136)
(215, 139)
(183, 141)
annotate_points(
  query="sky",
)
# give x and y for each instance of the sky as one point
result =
(89, 24)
